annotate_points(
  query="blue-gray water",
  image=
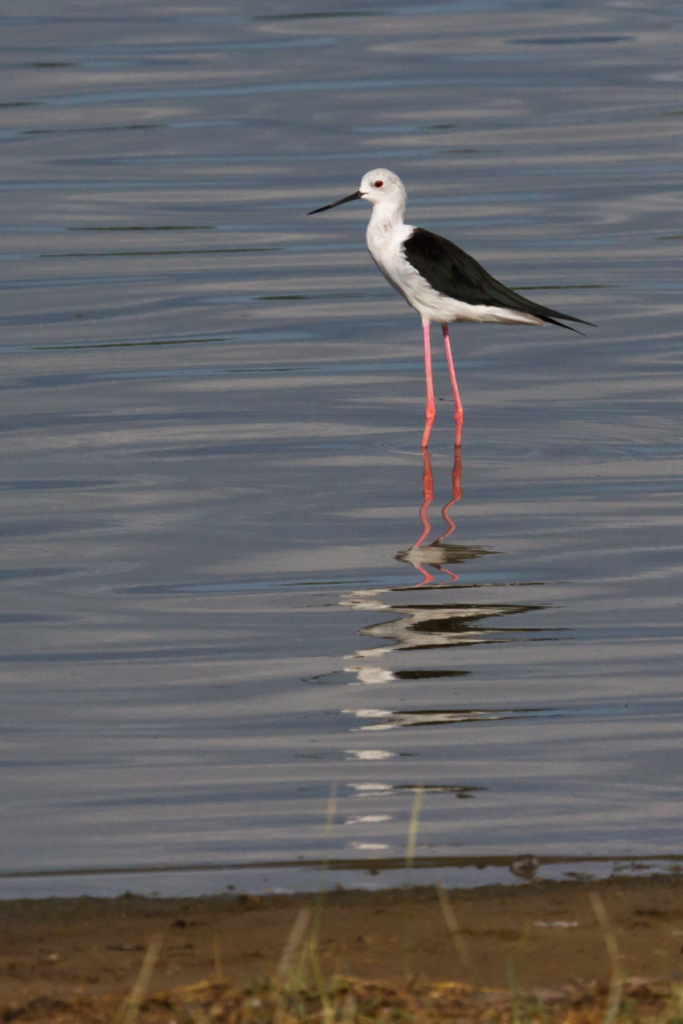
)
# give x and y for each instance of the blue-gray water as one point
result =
(212, 409)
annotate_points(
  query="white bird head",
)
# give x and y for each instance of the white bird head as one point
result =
(382, 185)
(378, 186)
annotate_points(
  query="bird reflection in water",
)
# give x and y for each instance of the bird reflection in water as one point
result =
(427, 626)
(426, 617)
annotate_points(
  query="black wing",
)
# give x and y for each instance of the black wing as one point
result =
(450, 271)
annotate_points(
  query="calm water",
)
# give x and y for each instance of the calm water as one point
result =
(215, 615)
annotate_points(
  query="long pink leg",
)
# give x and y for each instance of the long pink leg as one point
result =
(430, 412)
(458, 413)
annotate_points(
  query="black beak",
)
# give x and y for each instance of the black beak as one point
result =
(348, 199)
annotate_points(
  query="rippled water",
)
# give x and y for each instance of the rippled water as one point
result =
(218, 618)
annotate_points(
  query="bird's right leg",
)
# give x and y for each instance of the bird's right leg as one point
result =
(430, 411)
(458, 413)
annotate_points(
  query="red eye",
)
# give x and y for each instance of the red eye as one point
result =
(378, 184)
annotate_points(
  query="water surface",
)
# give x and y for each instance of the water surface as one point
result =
(216, 616)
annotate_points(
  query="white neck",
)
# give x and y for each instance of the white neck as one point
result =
(386, 231)
(387, 216)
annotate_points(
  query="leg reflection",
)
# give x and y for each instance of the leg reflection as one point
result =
(434, 554)
(456, 492)
(427, 499)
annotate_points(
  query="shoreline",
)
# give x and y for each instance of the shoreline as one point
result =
(300, 876)
(546, 932)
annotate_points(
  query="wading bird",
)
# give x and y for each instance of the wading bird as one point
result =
(437, 279)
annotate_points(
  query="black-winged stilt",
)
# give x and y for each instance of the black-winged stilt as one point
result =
(437, 279)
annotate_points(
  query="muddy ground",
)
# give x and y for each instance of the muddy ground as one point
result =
(544, 934)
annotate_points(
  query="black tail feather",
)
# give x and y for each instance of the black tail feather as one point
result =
(557, 323)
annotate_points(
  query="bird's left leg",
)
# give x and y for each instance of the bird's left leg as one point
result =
(458, 413)
(430, 411)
